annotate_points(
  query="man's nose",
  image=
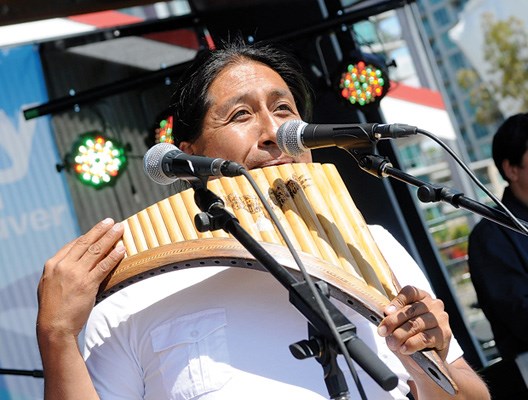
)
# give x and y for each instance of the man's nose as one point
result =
(268, 131)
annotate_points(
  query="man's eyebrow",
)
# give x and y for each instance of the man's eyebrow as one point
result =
(224, 108)
(278, 93)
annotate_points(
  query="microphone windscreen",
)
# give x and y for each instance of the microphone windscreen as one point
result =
(289, 137)
(153, 163)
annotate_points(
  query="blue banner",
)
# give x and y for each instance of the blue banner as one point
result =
(36, 215)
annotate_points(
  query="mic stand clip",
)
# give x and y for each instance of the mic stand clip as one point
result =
(325, 352)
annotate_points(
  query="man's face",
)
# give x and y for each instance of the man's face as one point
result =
(249, 102)
(518, 176)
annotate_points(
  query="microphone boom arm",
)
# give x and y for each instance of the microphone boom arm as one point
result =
(428, 193)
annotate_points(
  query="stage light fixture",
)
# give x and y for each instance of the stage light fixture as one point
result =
(364, 80)
(97, 160)
(164, 131)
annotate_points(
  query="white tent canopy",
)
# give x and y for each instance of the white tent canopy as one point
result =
(420, 107)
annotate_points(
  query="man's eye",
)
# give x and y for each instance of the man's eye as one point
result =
(239, 114)
(282, 107)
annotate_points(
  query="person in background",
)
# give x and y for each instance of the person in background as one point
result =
(219, 332)
(498, 256)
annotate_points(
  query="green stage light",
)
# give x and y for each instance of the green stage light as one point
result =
(96, 160)
(364, 81)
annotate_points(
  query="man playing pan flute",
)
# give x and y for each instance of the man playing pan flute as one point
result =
(217, 332)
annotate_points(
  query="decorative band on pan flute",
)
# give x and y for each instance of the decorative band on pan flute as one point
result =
(316, 211)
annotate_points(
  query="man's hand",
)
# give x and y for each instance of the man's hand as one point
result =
(415, 321)
(71, 278)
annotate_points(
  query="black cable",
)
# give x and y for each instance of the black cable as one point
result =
(36, 373)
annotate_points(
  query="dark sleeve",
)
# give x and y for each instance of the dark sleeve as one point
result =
(499, 275)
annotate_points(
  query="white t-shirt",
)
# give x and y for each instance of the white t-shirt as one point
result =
(218, 333)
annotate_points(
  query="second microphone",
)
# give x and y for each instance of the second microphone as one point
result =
(165, 163)
(296, 137)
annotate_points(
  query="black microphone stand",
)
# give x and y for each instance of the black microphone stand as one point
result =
(322, 344)
(381, 167)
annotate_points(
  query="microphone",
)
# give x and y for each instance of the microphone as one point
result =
(296, 136)
(165, 163)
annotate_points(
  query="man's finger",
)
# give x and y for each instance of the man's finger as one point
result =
(107, 264)
(61, 253)
(100, 248)
(406, 296)
(407, 304)
(83, 243)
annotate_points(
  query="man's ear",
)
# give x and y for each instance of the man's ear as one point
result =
(509, 170)
(186, 147)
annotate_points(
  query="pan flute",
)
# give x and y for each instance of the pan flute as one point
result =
(316, 212)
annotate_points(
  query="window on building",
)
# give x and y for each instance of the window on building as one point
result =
(427, 27)
(471, 153)
(420, 6)
(486, 150)
(411, 156)
(435, 49)
(449, 91)
(458, 61)
(441, 17)
(456, 110)
(470, 108)
(366, 32)
(447, 42)
(480, 131)
(389, 28)
(463, 130)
